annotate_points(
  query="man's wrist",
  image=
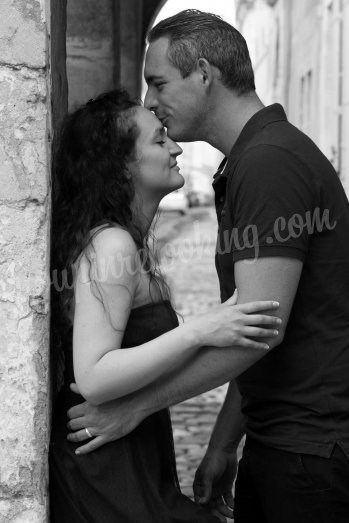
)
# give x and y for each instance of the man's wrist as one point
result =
(228, 448)
(229, 445)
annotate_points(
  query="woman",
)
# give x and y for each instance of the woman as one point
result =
(114, 165)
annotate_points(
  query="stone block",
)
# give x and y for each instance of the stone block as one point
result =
(23, 139)
(27, 512)
(23, 33)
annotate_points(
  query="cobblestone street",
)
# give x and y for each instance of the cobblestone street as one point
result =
(188, 262)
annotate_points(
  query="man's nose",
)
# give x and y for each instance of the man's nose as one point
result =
(149, 100)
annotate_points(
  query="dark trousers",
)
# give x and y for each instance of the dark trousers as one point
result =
(274, 486)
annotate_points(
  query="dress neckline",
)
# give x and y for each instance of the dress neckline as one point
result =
(151, 304)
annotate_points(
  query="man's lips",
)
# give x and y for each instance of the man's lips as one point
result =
(162, 119)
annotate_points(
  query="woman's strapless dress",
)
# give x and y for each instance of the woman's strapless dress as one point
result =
(133, 479)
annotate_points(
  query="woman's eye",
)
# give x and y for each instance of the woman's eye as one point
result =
(159, 86)
(161, 142)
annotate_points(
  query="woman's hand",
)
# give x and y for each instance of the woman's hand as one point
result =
(232, 324)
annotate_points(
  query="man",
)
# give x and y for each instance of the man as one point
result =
(283, 228)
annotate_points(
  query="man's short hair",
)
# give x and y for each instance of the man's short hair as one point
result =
(193, 34)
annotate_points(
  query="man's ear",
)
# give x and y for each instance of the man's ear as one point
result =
(205, 71)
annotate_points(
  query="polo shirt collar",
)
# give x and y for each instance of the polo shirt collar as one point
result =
(271, 113)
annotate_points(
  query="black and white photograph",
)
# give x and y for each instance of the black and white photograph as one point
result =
(174, 261)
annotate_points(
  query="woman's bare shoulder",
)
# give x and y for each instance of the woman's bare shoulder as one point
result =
(113, 241)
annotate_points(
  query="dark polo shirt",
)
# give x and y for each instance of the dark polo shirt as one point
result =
(278, 195)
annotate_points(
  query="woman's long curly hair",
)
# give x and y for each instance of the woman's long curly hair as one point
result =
(92, 188)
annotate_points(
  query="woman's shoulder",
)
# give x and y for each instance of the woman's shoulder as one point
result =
(113, 240)
(111, 257)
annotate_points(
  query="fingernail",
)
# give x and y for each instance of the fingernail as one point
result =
(276, 303)
(279, 321)
(275, 332)
(77, 451)
(266, 347)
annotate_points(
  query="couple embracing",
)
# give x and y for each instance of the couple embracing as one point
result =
(280, 337)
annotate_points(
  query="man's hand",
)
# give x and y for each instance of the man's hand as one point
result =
(107, 422)
(214, 480)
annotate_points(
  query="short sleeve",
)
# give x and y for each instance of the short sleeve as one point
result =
(271, 201)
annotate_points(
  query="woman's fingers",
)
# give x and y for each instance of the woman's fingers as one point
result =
(256, 306)
(252, 344)
(262, 319)
(258, 332)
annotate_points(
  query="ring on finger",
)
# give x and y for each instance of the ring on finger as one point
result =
(88, 433)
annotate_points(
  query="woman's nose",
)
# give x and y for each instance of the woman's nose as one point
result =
(174, 148)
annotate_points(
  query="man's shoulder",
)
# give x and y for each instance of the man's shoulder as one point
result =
(284, 136)
(281, 147)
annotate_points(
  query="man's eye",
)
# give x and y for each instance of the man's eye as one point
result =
(160, 85)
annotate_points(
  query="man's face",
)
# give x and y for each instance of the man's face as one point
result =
(178, 102)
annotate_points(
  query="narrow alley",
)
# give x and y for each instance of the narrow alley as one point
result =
(188, 263)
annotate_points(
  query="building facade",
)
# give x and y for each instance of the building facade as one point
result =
(36, 80)
(300, 53)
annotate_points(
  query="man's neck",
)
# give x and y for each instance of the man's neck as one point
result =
(228, 117)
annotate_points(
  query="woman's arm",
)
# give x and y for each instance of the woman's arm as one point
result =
(102, 308)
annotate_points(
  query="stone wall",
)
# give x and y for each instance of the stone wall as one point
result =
(24, 259)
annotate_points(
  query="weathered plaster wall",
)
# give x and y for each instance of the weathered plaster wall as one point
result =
(24, 260)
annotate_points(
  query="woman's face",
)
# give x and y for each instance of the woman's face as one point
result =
(155, 171)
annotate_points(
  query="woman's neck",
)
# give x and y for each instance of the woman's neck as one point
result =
(145, 212)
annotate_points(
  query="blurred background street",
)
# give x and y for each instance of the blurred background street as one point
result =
(187, 244)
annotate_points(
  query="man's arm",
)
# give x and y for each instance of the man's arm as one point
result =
(276, 277)
(215, 476)
(210, 368)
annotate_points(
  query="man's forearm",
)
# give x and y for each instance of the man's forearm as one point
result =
(230, 425)
(208, 369)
